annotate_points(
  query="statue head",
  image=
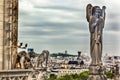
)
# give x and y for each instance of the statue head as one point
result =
(22, 53)
(96, 11)
(45, 51)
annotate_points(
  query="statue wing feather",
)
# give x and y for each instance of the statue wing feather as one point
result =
(103, 12)
(88, 11)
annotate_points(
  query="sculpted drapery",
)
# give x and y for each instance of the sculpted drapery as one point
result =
(96, 18)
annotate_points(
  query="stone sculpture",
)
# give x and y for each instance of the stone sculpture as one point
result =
(19, 63)
(41, 58)
(96, 19)
(26, 62)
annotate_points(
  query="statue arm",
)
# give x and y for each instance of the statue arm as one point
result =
(92, 24)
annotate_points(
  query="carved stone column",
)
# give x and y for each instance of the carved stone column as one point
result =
(14, 34)
(1, 33)
(8, 32)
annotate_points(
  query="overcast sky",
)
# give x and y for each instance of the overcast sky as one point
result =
(59, 25)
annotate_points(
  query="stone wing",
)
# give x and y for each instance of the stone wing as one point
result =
(88, 11)
(103, 12)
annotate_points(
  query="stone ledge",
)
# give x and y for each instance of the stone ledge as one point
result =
(16, 70)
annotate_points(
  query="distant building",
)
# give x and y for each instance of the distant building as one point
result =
(73, 63)
(62, 72)
(111, 61)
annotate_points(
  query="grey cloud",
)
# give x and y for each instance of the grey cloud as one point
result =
(112, 21)
(63, 34)
(82, 34)
(113, 15)
(23, 13)
(110, 41)
(59, 8)
(113, 27)
(55, 33)
(32, 19)
(68, 40)
(39, 32)
(56, 25)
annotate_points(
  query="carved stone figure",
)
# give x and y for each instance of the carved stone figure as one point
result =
(24, 63)
(19, 61)
(96, 18)
(29, 63)
(41, 58)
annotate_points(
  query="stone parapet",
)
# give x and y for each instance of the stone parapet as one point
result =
(15, 74)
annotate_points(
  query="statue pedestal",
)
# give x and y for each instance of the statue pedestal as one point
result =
(96, 73)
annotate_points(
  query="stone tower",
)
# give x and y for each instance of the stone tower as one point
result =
(8, 33)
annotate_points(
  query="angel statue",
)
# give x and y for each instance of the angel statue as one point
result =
(96, 18)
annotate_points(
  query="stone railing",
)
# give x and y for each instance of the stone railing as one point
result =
(15, 75)
(22, 74)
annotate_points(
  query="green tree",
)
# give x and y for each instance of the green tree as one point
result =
(84, 75)
(75, 76)
(110, 75)
(66, 77)
(52, 77)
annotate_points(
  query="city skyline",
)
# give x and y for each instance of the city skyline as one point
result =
(61, 25)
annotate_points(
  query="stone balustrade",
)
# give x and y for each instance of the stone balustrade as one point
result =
(22, 74)
(15, 74)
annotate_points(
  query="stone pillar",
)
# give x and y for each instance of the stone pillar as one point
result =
(8, 32)
(1, 34)
(7, 18)
(14, 34)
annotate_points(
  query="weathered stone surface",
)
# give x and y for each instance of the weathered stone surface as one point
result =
(1, 40)
(1, 34)
(1, 25)
(15, 75)
(1, 9)
(8, 30)
(96, 18)
(1, 2)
